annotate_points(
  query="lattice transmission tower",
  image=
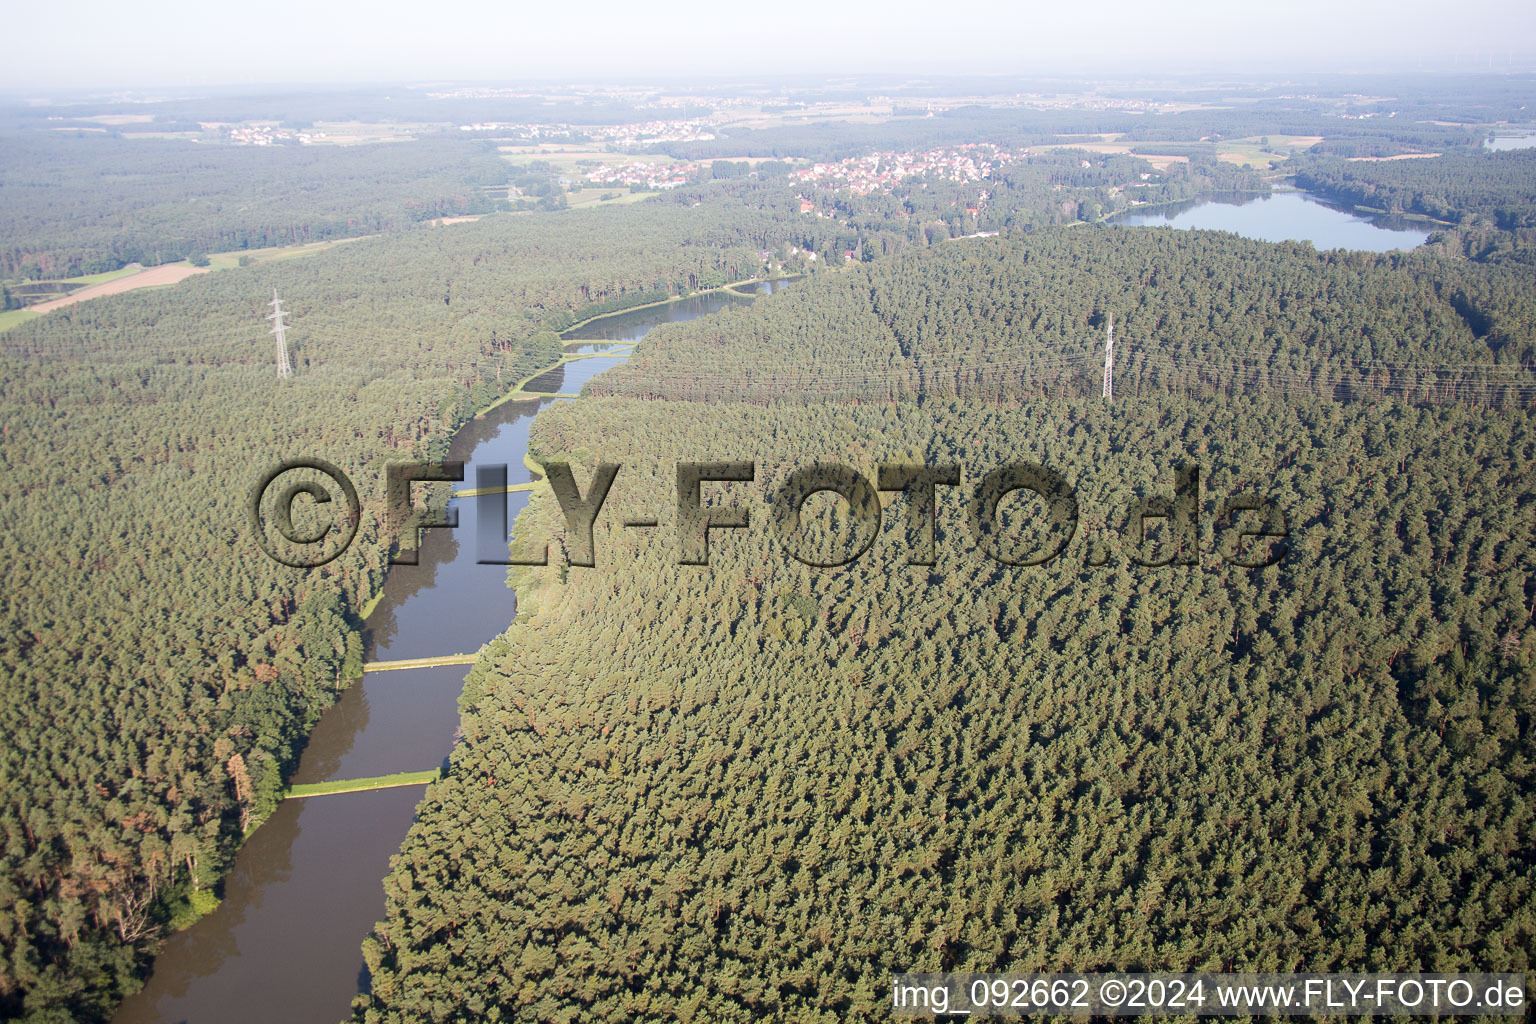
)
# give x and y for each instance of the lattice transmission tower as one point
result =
(284, 367)
(1109, 360)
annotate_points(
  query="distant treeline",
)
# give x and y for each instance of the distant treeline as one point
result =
(1498, 187)
(1017, 127)
(1478, 98)
(85, 204)
(371, 106)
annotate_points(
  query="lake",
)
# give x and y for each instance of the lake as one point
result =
(1286, 216)
(1525, 141)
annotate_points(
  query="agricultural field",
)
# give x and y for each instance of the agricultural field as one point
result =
(155, 277)
(134, 276)
(1263, 152)
(1160, 161)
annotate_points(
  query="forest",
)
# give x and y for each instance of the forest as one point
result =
(1496, 187)
(152, 715)
(160, 673)
(756, 789)
(1192, 317)
(1037, 127)
(90, 203)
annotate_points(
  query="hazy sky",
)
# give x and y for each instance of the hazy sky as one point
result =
(104, 43)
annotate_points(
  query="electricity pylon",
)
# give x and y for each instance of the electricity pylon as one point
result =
(284, 367)
(1109, 360)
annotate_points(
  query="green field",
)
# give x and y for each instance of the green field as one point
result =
(102, 278)
(11, 317)
(593, 196)
(1250, 151)
(217, 261)
(226, 260)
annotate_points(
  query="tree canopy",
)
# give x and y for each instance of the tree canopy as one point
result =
(756, 789)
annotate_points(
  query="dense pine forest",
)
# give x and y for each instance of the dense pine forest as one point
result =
(1499, 187)
(754, 790)
(86, 204)
(160, 673)
(123, 797)
(1193, 317)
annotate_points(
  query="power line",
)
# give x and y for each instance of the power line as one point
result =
(1448, 380)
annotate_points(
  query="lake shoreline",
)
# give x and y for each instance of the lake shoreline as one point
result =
(1289, 215)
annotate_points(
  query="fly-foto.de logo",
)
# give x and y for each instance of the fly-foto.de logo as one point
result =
(1250, 528)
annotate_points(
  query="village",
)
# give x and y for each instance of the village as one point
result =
(879, 172)
(883, 171)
